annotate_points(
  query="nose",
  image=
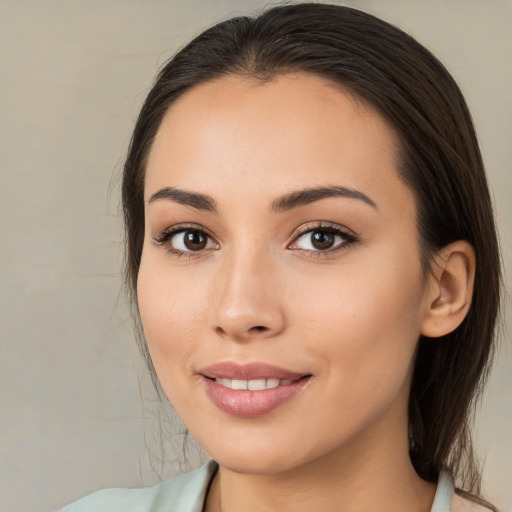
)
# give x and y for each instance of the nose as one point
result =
(248, 304)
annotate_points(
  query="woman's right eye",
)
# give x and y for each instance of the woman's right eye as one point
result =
(186, 240)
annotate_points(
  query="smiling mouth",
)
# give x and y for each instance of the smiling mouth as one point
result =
(263, 389)
(251, 389)
(253, 384)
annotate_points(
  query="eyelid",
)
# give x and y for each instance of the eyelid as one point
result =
(163, 238)
(322, 224)
(177, 228)
(347, 234)
(349, 237)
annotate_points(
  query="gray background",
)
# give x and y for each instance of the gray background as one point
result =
(72, 77)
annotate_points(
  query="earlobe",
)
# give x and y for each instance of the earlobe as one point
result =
(450, 289)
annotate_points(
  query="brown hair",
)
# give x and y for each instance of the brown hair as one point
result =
(440, 162)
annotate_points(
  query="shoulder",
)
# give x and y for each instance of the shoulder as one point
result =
(460, 504)
(185, 493)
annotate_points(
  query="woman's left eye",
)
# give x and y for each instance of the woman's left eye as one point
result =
(322, 239)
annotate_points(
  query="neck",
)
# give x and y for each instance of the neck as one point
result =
(373, 473)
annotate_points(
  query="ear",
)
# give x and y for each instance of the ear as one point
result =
(450, 289)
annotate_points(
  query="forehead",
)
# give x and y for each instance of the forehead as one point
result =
(297, 130)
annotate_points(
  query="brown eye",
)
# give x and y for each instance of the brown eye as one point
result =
(179, 241)
(194, 240)
(322, 240)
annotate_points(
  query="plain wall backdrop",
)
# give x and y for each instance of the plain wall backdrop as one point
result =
(73, 74)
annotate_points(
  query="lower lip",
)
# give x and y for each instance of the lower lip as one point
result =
(248, 404)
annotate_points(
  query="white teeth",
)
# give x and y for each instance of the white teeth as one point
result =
(252, 385)
(272, 383)
(255, 385)
(239, 384)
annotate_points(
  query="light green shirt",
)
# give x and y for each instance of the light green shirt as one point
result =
(187, 493)
(184, 493)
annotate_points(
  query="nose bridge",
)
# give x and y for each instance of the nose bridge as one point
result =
(247, 299)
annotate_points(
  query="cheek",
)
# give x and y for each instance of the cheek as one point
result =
(172, 313)
(365, 322)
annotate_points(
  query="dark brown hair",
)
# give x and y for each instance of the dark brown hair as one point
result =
(439, 160)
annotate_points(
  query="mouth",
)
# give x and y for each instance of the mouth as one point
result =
(253, 389)
(253, 384)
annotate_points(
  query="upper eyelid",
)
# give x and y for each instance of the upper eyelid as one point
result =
(312, 226)
(342, 231)
(179, 228)
(163, 238)
(296, 233)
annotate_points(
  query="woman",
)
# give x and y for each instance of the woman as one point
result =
(312, 252)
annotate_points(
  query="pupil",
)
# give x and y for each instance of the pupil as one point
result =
(322, 240)
(194, 240)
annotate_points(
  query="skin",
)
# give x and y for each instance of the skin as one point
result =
(260, 292)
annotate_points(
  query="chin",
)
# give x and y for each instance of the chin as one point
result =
(258, 465)
(265, 455)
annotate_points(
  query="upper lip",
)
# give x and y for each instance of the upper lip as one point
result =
(249, 371)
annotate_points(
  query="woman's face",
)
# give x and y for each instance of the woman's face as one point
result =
(281, 255)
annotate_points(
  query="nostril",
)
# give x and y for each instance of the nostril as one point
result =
(242, 334)
(259, 328)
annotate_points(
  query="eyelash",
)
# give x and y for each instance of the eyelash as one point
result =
(349, 238)
(163, 239)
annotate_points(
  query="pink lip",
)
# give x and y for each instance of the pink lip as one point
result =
(246, 403)
(230, 370)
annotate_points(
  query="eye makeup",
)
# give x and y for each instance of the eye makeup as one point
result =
(186, 240)
(314, 239)
(325, 238)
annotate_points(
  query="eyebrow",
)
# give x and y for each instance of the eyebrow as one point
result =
(198, 201)
(310, 195)
(282, 204)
